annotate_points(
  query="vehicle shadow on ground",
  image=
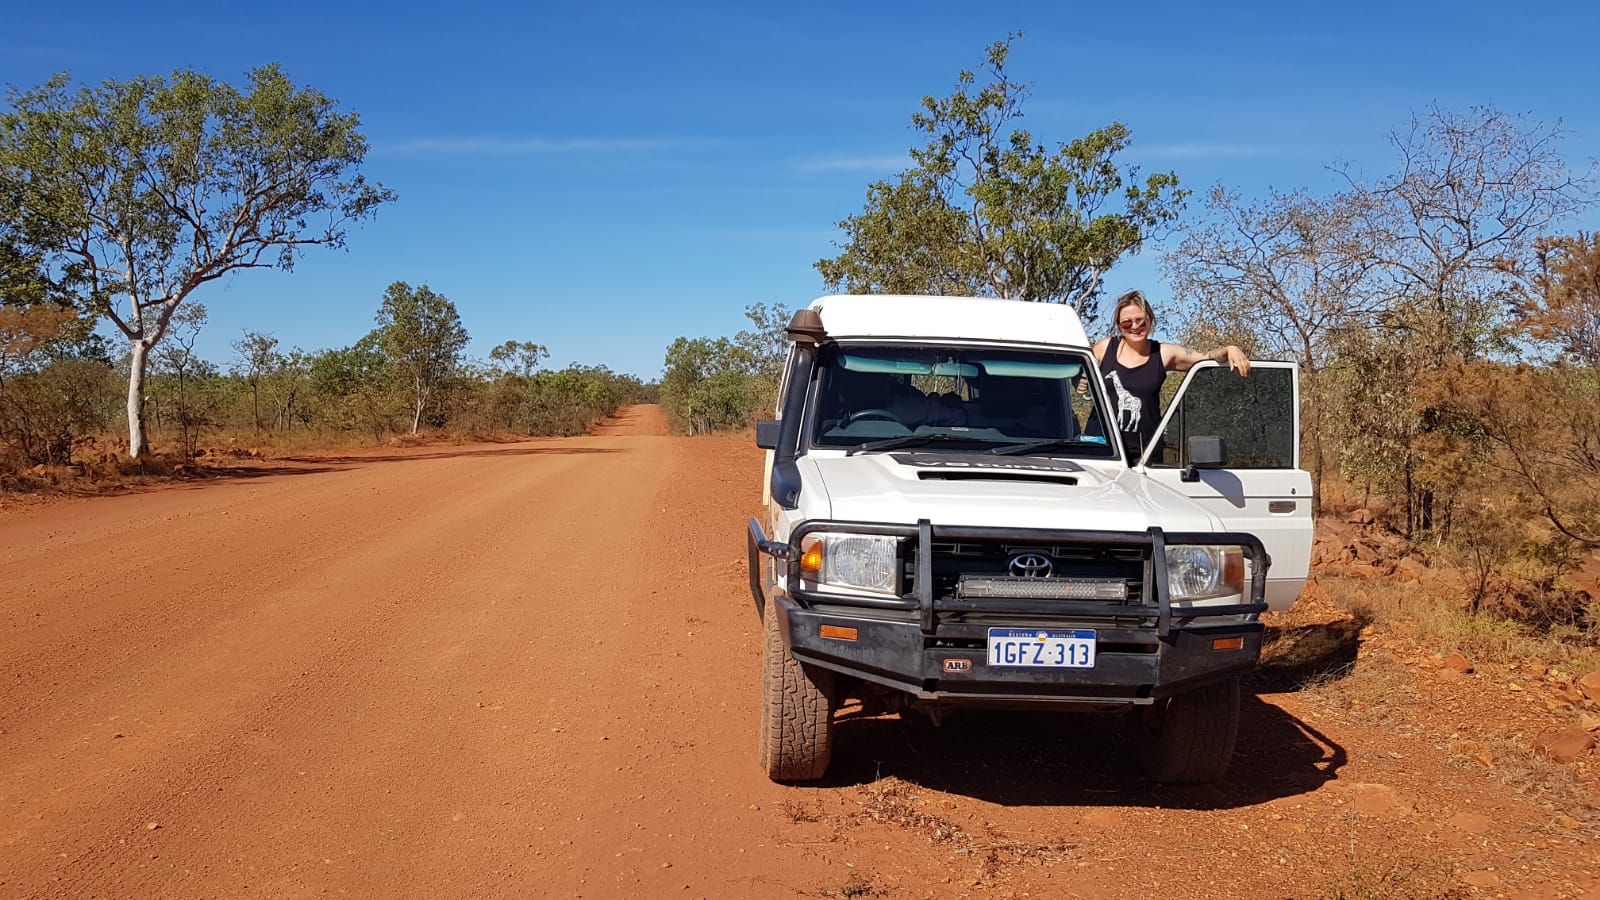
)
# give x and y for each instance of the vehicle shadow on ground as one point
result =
(1046, 759)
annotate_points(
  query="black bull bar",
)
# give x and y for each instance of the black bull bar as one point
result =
(1157, 595)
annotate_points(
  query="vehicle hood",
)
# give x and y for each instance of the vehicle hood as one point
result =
(996, 491)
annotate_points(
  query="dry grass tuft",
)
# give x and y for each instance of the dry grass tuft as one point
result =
(892, 802)
(798, 812)
(859, 884)
(1394, 876)
(1526, 772)
(1378, 688)
(1438, 619)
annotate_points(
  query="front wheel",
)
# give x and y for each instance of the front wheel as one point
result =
(1189, 738)
(796, 712)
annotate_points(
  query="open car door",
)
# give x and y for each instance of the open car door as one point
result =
(1259, 486)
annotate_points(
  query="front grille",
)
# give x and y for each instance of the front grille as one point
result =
(991, 559)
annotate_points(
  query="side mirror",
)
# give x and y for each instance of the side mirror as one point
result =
(767, 434)
(1206, 451)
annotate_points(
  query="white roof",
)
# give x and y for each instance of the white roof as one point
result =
(950, 318)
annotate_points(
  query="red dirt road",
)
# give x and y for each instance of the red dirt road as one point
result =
(532, 670)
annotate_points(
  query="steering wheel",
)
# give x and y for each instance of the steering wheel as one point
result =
(877, 414)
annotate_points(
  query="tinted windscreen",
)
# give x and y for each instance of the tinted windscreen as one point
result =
(960, 398)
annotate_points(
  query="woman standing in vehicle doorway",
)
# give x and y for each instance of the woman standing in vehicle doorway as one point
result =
(1133, 366)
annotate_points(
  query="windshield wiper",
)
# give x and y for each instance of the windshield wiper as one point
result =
(1029, 447)
(908, 440)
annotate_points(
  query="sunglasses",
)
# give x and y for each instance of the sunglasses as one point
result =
(1133, 324)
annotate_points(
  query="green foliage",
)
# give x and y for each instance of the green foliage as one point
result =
(49, 393)
(58, 391)
(521, 357)
(255, 355)
(987, 211)
(421, 334)
(126, 197)
(492, 401)
(49, 398)
(1452, 238)
(353, 388)
(712, 383)
(763, 349)
(286, 385)
(22, 279)
(571, 400)
(175, 389)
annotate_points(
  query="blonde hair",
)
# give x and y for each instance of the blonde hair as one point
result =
(1132, 298)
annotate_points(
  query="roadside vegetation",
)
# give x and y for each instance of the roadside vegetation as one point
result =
(62, 394)
(121, 203)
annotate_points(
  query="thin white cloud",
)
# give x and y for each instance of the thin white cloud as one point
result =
(884, 163)
(537, 146)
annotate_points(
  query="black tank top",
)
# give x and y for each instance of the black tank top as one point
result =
(1135, 395)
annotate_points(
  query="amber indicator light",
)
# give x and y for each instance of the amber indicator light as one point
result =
(811, 560)
(1233, 568)
(838, 632)
(1233, 643)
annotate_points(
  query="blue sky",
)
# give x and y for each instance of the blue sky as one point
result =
(604, 178)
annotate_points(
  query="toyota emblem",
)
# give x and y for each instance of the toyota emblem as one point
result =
(1031, 565)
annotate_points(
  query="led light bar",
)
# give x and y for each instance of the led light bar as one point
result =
(980, 587)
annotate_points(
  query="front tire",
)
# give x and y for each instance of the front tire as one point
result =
(796, 711)
(1189, 738)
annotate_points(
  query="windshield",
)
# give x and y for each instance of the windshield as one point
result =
(957, 399)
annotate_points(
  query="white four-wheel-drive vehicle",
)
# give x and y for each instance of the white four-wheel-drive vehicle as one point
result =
(948, 524)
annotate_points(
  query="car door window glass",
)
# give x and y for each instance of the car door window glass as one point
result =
(1254, 415)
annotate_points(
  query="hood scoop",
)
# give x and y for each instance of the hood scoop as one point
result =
(1009, 475)
(989, 468)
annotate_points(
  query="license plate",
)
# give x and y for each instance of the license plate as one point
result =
(1041, 648)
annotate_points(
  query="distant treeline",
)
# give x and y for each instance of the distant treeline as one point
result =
(59, 384)
(716, 383)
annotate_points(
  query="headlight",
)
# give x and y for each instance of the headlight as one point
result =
(862, 561)
(1199, 572)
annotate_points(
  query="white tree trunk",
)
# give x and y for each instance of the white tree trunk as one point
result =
(137, 445)
(422, 403)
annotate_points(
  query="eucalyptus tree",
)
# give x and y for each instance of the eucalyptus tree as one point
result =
(286, 383)
(987, 210)
(176, 357)
(519, 357)
(131, 195)
(421, 334)
(353, 387)
(255, 354)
